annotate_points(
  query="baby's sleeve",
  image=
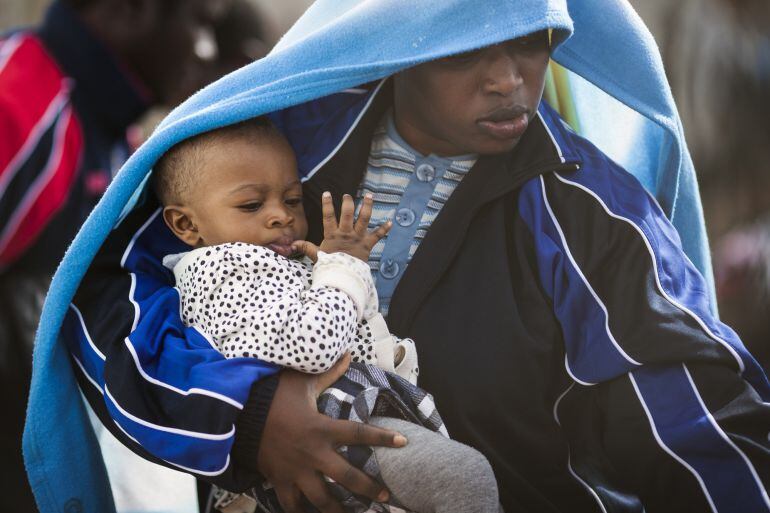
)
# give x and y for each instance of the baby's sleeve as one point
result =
(350, 275)
(255, 304)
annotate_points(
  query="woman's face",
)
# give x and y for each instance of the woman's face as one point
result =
(475, 102)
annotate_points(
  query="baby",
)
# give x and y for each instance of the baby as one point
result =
(234, 196)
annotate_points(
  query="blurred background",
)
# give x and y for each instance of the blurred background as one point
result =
(717, 56)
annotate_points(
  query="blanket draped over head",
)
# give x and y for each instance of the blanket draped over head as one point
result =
(616, 87)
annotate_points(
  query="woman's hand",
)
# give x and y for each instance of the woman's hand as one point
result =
(299, 444)
(355, 239)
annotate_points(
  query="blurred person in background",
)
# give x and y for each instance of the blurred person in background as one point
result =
(239, 39)
(742, 272)
(69, 89)
(717, 56)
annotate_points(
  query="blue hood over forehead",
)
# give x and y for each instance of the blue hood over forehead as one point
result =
(339, 44)
(622, 100)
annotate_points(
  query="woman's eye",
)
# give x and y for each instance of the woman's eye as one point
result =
(294, 201)
(534, 41)
(250, 207)
(461, 58)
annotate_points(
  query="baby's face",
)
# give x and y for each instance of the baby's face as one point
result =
(250, 193)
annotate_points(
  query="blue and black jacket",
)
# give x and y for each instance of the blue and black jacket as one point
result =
(561, 330)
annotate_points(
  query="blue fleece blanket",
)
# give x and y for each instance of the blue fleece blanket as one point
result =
(622, 98)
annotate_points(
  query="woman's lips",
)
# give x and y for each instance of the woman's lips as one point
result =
(512, 128)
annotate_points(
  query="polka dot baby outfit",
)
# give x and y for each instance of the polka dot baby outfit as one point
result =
(252, 302)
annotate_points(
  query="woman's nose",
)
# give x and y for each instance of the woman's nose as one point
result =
(502, 75)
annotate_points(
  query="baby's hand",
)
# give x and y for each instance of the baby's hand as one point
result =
(355, 239)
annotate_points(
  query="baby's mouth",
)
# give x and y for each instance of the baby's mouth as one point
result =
(282, 246)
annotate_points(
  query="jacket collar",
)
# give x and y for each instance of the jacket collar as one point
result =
(554, 131)
(104, 89)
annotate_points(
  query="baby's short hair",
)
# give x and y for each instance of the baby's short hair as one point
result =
(175, 173)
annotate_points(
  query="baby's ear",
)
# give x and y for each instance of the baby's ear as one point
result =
(181, 221)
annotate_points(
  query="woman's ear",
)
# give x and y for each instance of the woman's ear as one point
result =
(181, 221)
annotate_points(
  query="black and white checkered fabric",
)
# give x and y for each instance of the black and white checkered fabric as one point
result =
(365, 391)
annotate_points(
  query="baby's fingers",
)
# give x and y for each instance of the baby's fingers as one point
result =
(362, 223)
(328, 216)
(346, 213)
(306, 248)
(375, 235)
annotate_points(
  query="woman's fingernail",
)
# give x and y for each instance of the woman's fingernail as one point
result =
(327, 194)
(383, 496)
(400, 440)
(368, 195)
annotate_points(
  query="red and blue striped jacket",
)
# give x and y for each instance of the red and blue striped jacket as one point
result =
(65, 105)
(42, 145)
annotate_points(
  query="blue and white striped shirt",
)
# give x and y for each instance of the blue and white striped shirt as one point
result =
(410, 189)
